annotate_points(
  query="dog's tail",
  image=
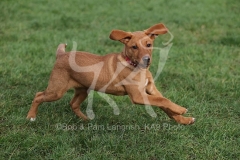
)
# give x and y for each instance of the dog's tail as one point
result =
(60, 50)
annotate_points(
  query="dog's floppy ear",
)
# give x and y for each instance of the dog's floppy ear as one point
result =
(155, 30)
(121, 36)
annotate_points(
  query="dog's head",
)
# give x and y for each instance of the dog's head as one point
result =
(139, 45)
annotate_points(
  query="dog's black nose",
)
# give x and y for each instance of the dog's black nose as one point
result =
(146, 60)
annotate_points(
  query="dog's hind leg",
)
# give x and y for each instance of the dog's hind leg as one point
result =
(79, 97)
(46, 96)
(57, 86)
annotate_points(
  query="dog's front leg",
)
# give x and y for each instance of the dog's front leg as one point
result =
(152, 90)
(155, 98)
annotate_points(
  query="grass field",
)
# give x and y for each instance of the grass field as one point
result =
(202, 73)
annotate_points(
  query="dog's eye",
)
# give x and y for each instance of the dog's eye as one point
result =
(134, 47)
(149, 45)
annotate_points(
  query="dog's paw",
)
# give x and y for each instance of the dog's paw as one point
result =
(192, 121)
(32, 119)
(179, 110)
(189, 120)
(182, 111)
(184, 120)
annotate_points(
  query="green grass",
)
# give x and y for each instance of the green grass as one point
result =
(202, 73)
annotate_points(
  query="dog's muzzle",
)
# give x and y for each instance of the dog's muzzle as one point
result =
(146, 61)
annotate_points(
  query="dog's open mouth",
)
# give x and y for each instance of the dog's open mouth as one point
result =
(134, 63)
(143, 66)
